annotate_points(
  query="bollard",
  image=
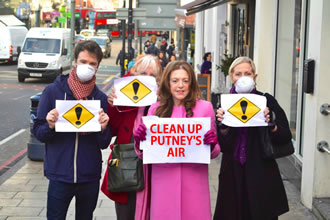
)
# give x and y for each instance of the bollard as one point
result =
(36, 149)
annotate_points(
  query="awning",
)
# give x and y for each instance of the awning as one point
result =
(10, 20)
(201, 5)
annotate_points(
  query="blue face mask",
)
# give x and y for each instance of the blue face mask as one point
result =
(245, 84)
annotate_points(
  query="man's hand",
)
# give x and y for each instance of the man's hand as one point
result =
(103, 119)
(51, 118)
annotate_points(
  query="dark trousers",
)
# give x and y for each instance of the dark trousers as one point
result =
(126, 211)
(60, 195)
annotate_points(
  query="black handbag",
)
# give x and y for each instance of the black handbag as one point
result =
(271, 150)
(125, 169)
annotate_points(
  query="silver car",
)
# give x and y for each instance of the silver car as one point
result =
(105, 45)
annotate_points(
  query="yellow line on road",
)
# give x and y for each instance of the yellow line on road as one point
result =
(10, 71)
(8, 76)
(108, 79)
(100, 74)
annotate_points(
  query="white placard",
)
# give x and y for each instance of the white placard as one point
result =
(135, 91)
(175, 140)
(244, 110)
(78, 116)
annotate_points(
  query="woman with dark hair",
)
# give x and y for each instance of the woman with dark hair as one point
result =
(179, 190)
(172, 58)
(250, 187)
(207, 64)
(162, 59)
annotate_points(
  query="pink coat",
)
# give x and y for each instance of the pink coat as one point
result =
(177, 191)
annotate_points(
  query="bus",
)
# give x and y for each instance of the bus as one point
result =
(106, 19)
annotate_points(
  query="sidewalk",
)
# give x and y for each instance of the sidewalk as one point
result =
(23, 195)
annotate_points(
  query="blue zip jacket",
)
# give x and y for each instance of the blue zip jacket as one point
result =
(70, 157)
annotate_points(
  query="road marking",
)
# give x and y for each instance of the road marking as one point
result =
(19, 97)
(100, 74)
(12, 136)
(8, 71)
(13, 158)
(108, 79)
(8, 76)
(110, 82)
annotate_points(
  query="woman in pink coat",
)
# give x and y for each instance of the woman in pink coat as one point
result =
(178, 191)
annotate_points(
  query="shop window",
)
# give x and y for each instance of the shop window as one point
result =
(240, 30)
(288, 59)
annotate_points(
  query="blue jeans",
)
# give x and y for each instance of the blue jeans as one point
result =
(60, 195)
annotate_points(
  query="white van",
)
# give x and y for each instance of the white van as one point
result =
(11, 37)
(44, 53)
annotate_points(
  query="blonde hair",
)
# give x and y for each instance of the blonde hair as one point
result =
(240, 60)
(143, 62)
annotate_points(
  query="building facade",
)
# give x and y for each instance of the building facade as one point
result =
(282, 37)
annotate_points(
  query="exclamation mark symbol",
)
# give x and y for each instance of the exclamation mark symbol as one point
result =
(78, 113)
(136, 88)
(244, 106)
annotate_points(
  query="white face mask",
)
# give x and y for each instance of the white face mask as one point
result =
(245, 84)
(85, 72)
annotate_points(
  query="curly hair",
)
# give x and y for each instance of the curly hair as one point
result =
(166, 105)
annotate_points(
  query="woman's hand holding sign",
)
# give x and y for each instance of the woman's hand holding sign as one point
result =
(112, 96)
(220, 113)
(210, 138)
(270, 119)
(140, 135)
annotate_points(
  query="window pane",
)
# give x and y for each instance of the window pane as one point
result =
(287, 58)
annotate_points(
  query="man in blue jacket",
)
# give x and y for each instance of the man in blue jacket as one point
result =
(73, 161)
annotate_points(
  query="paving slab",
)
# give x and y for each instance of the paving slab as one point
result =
(20, 211)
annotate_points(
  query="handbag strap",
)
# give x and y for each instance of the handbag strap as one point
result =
(131, 141)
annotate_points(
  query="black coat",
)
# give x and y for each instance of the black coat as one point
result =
(254, 190)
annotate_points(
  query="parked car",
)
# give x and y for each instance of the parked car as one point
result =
(79, 38)
(87, 33)
(11, 38)
(44, 53)
(105, 45)
(104, 33)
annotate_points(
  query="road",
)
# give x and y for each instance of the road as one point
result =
(15, 105)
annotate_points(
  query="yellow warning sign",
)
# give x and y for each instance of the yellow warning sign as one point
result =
(244, 110)
(135, 90)
(78, 115)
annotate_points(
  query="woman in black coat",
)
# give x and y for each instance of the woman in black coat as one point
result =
(250, 187)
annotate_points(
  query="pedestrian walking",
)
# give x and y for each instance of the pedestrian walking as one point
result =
(146, 45)
(172, 58)
(207, 64)
(73, 161)
(163, 45)
(152, 49)
(123, 120)
(250, 187)
(121, 59)
(171, 49)
(163, 60)
(177, 190)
